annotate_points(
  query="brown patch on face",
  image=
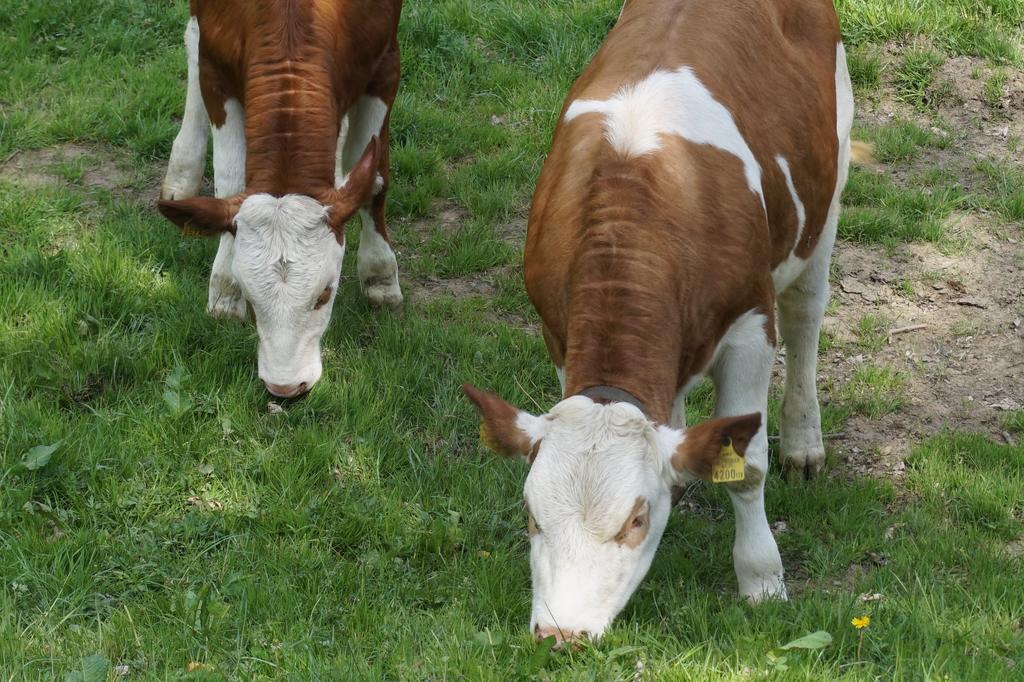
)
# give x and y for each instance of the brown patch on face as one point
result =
(322, 300)
(703, 443)
(636, 526)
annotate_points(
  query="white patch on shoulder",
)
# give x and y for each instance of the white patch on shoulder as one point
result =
(788, 269)
(229, 151)
(801, 212)
(669, 103)
(746, 332)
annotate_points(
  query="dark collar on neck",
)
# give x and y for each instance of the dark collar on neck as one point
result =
(611, 394)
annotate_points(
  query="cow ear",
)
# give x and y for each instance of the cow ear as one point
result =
(357, 189)
(505, 429)
(704, 444)
(202, 216)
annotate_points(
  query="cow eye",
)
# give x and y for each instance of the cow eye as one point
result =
(325, 296)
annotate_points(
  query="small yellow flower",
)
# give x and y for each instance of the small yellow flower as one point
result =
(861, 623)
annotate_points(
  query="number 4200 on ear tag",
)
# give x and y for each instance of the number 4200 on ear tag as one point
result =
(729, 467)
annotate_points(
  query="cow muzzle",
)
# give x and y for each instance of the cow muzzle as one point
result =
(563, 637)
(286, 390)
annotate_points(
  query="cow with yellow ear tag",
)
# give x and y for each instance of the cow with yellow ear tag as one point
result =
(687, 210)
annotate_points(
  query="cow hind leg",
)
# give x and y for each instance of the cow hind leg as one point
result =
(741, 374)
(225, 296)
(801, 308)
(188, 154)
(376, 265)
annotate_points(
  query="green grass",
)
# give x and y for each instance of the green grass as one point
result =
(363, 533)
(872, 331)
(865, 70)
(878, 211)
(902, 141)
(992, 89)
(874, 391)
(1005, 185)
(914, 76)
(983, 28)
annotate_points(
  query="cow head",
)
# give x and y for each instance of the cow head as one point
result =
(286, 260)
(597, 496)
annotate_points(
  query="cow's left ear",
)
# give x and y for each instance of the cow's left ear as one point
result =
(357, 190)
(504, 428)
(703, 445)
(202, 216)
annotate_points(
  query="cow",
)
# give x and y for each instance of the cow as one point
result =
(277, 79)
(692, 186)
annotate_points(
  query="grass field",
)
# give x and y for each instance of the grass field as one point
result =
(181, 529)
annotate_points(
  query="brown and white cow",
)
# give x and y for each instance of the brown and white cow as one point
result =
(276, 78)
(693, 184)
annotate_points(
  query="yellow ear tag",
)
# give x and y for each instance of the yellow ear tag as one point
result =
(486, 439)
(729, 467)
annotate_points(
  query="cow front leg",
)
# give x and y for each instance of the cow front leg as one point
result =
(801, 308)
(225, 297)
(376, 264)
(741, 375)
(188, 154)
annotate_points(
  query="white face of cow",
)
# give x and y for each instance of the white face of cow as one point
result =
(286, 255)
(287, 261)
(598, 496)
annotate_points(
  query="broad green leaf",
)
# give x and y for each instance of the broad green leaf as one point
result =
(176, 403)
(174, 378)
(39, 456)
(541, 655)
(95, 668)
(815, 640)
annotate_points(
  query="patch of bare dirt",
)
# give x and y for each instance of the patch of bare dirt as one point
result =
(988, 127)
(41, 167)
(954, 331)
(981, 128)
(514, 232)
(483, 285)
(446, 219)
(477, 284)
(957, 316)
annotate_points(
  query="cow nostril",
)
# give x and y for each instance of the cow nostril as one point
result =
(303, 387)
